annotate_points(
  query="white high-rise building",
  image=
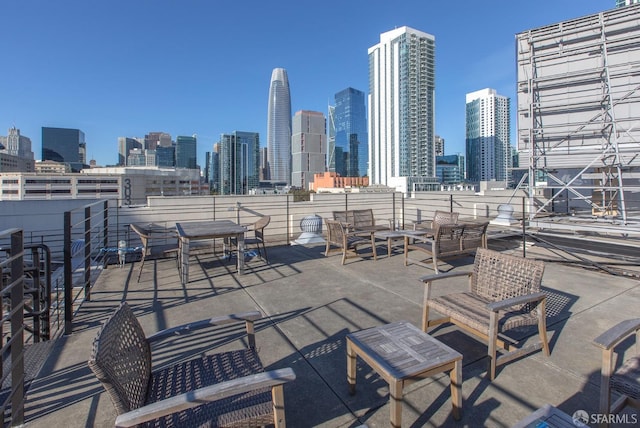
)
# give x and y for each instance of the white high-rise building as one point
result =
(488, 144)
(401, 105)
(279, 127)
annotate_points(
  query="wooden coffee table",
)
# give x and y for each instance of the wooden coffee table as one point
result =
(401, 354)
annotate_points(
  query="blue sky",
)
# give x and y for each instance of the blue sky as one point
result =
(128, 67)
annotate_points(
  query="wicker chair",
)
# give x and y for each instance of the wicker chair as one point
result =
(167, 237)
(504, 293)
(226, 389)
(347, 242)
(626, 379)
(449, 240)
(258, 235)
(439, 217)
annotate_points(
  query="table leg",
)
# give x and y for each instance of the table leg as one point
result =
(395, 402)
(389, 247)
(240, 240)
(184, 274)
(351, 368)
(456, 389)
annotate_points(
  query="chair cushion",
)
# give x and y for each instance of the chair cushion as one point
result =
(626, 380)
(253, 408)
(471, 310)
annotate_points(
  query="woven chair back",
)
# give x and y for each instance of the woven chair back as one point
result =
(444, 217)
(498, 276)
(121, 360)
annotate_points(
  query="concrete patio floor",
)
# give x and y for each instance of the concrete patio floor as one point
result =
(310, 303)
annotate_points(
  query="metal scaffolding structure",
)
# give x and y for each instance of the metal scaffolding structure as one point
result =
(579, 110)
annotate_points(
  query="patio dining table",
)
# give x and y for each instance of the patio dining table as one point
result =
(198, 230)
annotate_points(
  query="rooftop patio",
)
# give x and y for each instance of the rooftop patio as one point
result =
(310, 302)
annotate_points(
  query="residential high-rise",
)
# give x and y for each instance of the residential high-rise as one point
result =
(488, 145)
(450, 169)
(264, 164)
(154, 139)
(439, 145)
(331, 139)
(64, 145)
(239, 158)
(308, 147)
(622, 3)
(401, 109)
(186, 152)
(279, 127)
(351, 150)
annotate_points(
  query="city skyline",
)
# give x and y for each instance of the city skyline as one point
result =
(109, 72)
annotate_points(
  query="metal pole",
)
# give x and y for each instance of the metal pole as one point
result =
(68, 285)
(524, 229)
(87, 253)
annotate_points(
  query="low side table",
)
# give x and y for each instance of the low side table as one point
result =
(391, 235)
(402, 354)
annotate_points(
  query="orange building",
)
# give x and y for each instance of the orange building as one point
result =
(334, 180)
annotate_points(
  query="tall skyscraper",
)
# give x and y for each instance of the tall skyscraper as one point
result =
(279, 127)
(622, 3)
(308, 147)
(488, 146)
(239, 157)
(351, 142)
(401, 107)
(186, 152)
(64, 145)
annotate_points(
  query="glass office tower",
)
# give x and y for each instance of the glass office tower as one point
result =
(279, 127)
(186, 152)
(64, 145)
(351, 143)
(239, 160)
(401, 106)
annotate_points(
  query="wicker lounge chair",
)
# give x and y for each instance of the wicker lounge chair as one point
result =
(626, 379)
(347, 242)
(504, 293)
(224, 389)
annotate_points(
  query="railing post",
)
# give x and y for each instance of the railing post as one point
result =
(393, 210)
(450, 202)
(105, 224)
(68, 275)
(17, 329)
(289, 232)
(524, 230)
(87, 253)
(403, 212)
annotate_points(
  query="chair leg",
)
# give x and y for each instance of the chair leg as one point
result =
(492, 339)
(277, 395)
(542, 327)
(141, 266)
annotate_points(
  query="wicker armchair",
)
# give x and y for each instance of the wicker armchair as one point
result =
(439, 217)
(449, 240)
(626, 379)
(347, 242)
(504, 293)
(224, 389)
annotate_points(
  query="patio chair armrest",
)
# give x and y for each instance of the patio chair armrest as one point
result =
(445, 275)
(617, 334)
(204, 395)
(518, 300)
(197, 325)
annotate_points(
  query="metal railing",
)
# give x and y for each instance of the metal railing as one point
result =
(12, 326)
(86, 233)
